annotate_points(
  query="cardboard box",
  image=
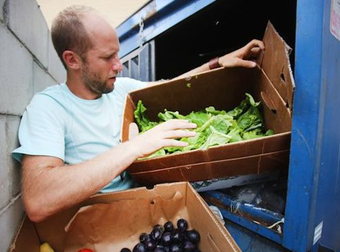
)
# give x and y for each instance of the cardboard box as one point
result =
(271, 82)
(164, 202)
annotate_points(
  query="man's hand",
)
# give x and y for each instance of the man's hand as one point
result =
(244, 56)
(163, 135)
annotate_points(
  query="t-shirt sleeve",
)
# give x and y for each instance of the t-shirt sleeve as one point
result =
(42, 129)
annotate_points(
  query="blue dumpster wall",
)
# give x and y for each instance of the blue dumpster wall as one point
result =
(313, 191)
(327, 202)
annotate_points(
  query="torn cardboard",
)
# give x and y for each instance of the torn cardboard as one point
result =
(109, 222)
(271, 82)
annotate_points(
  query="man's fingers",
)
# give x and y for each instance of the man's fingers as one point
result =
(256, 43)
(255, 50)
(245, 63)
(174, 143)
(179, 134)
(177, 124)
(133, 131)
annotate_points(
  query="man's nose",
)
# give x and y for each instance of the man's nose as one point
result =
(117, 65)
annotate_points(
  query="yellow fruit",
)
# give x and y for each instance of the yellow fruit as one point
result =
(45, 247)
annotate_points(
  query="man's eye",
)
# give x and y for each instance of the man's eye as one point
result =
(109, 57)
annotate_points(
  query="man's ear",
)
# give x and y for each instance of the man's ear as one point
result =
(72, 60)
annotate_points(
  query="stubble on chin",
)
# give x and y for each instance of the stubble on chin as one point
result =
(95, 85)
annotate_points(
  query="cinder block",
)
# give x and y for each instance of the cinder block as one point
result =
(41, 79)
(16, 74)
(5, 194)
(10, 170)
(10, 220)
(28, 23)
(14, 167)
(1, 12)
(55, 67)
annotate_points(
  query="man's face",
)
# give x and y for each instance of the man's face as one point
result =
(97, 81)
(101, 63)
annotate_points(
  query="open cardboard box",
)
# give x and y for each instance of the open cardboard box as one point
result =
(271, 82)
(104, 222)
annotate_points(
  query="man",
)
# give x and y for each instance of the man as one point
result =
(69, 133)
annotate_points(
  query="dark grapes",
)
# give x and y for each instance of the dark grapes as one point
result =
(150, 244)
(156, 233)
(182, 225)
(176, 248)
(177, 236)
(139, 248)
(188, 246)
(160, 248)
(144, 237)
(169, 226)
(159, 227)
(193, 236)
(167, 238)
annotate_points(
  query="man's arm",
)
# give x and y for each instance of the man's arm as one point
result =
(243, 57)
(50, 186)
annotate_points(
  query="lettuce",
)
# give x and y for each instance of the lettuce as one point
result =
(214, 127)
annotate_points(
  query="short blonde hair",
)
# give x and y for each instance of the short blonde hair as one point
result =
(69, 33)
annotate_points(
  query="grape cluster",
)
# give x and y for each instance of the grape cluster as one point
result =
(167, 238)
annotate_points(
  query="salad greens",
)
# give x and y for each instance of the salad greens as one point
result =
(214, 127)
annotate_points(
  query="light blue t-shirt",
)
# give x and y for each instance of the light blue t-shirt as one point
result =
(57, 123)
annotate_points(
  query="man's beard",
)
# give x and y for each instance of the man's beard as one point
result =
(94, 82)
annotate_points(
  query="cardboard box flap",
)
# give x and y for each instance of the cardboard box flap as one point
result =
(275, 63)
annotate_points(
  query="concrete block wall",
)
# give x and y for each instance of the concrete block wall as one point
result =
(28, 64)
